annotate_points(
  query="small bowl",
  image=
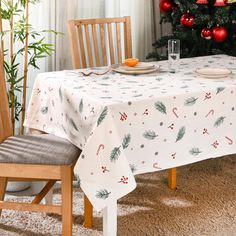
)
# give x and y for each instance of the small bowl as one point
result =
(131, 62)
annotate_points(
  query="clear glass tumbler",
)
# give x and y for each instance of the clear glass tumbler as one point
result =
(173, 55)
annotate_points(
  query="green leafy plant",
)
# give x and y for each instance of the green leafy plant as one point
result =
(25, 45)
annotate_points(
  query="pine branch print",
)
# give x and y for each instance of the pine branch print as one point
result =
(115, 153)
(126, 141)
(78, 179)
(133, 168)
(219, 121)
(44, 110)
(160, 107)
(190, 101)
(81, 106)
(220, 89)
(180, 134)
(150, 135)
(60, 94)
(103, 194)
(195, 151)
(102, 116)
(71, 121)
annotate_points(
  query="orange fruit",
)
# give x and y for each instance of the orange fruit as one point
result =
(131, 62)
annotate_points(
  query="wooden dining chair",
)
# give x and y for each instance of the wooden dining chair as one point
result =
(99, 42)
(35, 157)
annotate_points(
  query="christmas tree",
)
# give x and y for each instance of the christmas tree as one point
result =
(204, 27)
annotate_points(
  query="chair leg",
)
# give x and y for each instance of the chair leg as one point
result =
(172, 179)
(3, 185)
(88, 213)
(66, 191)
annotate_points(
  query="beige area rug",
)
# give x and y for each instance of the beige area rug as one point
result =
(203, 204)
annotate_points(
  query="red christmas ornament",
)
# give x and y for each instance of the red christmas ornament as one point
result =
(219, 3)
(219, 33)
(187, 20)
(166, 5)
(202, 2)
(206, 33)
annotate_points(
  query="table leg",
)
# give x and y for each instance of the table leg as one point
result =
(110, 220)
(172, 178)
(88, 213)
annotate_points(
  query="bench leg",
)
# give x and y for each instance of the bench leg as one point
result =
(172, 178)
(3, 185)
(88, 213)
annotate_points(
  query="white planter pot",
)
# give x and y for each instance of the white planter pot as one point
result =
(17, 186)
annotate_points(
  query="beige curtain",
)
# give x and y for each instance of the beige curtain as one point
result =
(55, 13)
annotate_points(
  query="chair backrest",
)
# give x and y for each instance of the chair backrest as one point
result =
(5, 123)
(89, 44)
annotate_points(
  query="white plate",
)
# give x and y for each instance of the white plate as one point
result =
(118, 68)
(139, 66)
(213, 73)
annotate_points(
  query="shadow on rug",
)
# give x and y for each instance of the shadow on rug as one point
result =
(204, 204)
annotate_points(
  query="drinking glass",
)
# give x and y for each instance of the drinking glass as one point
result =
(173, 54)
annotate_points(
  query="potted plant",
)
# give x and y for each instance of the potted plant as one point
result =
(25, 48)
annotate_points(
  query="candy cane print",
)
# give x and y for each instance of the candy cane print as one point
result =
(101, 146)
(211, 112)
(174, 110)
(230, 140)
(155, 165)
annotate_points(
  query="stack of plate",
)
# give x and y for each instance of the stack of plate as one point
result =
(140, 68)
(213, 73)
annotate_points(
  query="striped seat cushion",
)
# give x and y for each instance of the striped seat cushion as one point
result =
(43, 149)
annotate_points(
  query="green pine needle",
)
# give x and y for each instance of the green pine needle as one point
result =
(160, 107)
(44, 110)
(220, 89)
(190, 101)
(102, 115)
(181, 134)
(103, 194)
(71, 121)
(195, 151)
(219, 121)
(150, 135)
(115, 153)
(81, 106)
(126, 141)
(60, 94)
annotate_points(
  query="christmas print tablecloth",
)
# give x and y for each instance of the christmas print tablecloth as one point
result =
(128, 125)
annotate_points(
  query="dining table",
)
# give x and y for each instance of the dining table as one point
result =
(127, 125)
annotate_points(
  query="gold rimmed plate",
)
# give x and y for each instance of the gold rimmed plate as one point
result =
(133, 71)
(213, 73)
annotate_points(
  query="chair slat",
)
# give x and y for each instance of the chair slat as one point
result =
(89, 48)
(102, 35)
(95, 42)
(102, 42)
(81, 43)
(73, 44)
(128, 42)
(111, 47)
(118, 41)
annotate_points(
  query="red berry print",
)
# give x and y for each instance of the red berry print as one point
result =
(123, 116)
(124, 180)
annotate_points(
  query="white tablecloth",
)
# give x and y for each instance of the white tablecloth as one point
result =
(127, 125)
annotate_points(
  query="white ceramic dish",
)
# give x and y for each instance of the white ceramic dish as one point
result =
(139, 66)
(118, 68)
(213, 73)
